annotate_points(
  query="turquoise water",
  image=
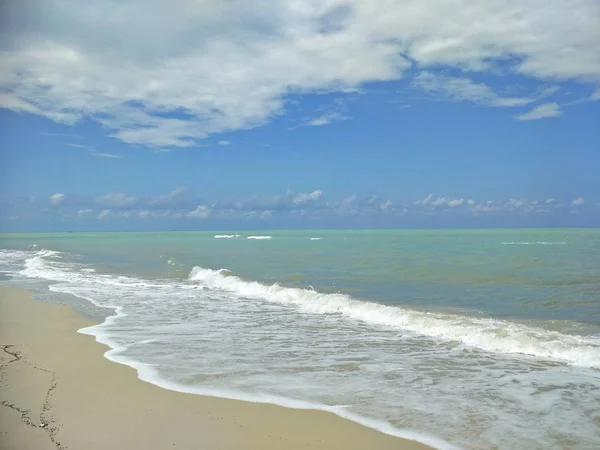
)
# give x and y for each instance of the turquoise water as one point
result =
(472, 338)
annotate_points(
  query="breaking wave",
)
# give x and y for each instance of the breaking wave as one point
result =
(486, 334)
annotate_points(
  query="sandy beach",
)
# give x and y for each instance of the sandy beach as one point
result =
(58, 391)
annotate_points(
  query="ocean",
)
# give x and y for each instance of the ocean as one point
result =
(472, 339)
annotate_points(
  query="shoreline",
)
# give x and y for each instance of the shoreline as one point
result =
(53, 375)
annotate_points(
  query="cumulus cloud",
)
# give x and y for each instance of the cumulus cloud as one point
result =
(464, 89)
(433, 200)
(115, 200)
(386, 204)
(145, 70)
(201, 212)
(514, 203)
(456, 202)
(347, 202)
(170, 198)
(485, 207)
(299, 199)
(541, 112)
(85, 212)
(56, 199)
(105, 213)
(180, 204)
(290, 201)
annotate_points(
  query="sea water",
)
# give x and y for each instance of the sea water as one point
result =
(457, 338)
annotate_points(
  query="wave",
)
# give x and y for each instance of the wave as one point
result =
(44, 253)
(146, 372)
(485, 334)
(70, 279)
(227, 236)
(259, 237)
(316, 239)
(533, 243)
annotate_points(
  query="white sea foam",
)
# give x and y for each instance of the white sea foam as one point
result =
(147, 373)
(227, 236)
(259, 237)
(315, 239)
(485, 334)
(294, 347)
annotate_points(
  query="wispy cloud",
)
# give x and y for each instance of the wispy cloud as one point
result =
(116, 200)
(81, 146)
(541, 112)
(93, 152)
(224, 143)
(337, 111)
(464, 89)
(98, 154)
(325, 119)
(69, 135)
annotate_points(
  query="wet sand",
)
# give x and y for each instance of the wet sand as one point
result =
(58, 391)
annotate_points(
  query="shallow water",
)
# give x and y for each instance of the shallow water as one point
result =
(472, 338)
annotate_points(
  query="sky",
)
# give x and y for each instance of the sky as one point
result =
(270, 114)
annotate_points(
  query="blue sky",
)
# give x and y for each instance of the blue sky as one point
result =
(137, 115)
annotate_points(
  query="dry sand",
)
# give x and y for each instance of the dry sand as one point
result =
(54, 376)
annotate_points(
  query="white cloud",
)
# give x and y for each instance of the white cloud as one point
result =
(146, 70)
(385, 205)
(98, 154)
(115, 200)
(541, 112)
(201, 212)
(456, 202)
(170, 198)
(596, 95)
(324, 119)
(464, 89)
(432, 200)
(69, 135)
(301, 198)
(84, 212)
(426, 200)
(56, 199)
(105, 213)
(180, 204)
(224, 143)
(93, 151)
(346, 202)
(486, 207)
(82, 146)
